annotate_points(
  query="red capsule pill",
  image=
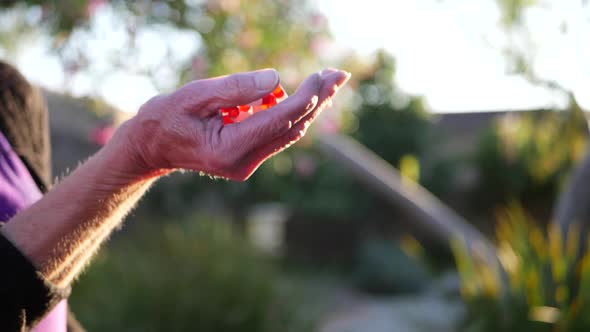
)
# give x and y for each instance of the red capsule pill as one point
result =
(241, 112)
(279, 92)
(269, 100)
(245, 108)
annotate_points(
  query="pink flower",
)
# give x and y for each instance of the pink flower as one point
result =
(305, 166)
(330, 125)
(318, 20)
(319, 45)
(199, 67)
(94, 5)
(102, 134)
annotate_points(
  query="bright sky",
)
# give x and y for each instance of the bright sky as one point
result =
(447, 50)
(126, 88)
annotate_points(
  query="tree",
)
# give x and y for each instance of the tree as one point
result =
(573, 204)
(232, 35)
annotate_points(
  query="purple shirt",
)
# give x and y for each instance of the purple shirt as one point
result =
(17, 191)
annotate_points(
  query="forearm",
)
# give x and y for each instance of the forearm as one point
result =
(62, 230)
(71, 267)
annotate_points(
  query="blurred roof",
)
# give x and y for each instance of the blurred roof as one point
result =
(71, 121)
(463, 130)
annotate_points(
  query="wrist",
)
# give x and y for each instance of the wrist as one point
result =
(123, 158)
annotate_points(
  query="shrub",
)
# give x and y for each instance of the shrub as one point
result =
(526, 153)
(543, 283)
(388, 267)
(186, 277)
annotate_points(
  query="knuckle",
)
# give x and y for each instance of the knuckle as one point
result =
(190, 97)
(279, 126)
(231, 83)
(297, 133)
(152, 103)
(232, 87)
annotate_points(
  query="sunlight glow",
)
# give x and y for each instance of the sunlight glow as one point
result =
(451, 51)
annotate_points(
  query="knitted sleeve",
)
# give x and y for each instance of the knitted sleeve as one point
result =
(25, 295)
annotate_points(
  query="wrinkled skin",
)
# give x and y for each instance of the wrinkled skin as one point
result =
(184, 130)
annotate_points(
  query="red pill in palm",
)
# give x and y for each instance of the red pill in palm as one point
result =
(279, 92)
(241, 112)
(230, 111)
(269, 101)
(245, 108)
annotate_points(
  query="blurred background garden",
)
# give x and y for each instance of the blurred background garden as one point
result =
(448, 188)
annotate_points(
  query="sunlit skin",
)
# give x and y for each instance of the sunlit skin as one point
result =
(180, 130)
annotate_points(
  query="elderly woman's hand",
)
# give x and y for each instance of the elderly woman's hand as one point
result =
(184, 130)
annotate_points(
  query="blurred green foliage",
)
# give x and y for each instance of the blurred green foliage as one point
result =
(543, 285)
(387, 267)
(525, 153)
(61, 16)
(391, 123)
(323, 190)
(396, 125)
(235, 35)
(199, 275)
(512, 10)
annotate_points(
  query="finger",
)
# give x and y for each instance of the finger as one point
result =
(291, 109)
(263, 127)
(333, 82)
(209, 95)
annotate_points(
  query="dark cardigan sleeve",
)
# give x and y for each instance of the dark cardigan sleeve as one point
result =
(25, 296)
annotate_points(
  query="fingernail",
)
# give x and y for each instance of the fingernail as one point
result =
(266, 79)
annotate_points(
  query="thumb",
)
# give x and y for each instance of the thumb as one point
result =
(209, 95)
